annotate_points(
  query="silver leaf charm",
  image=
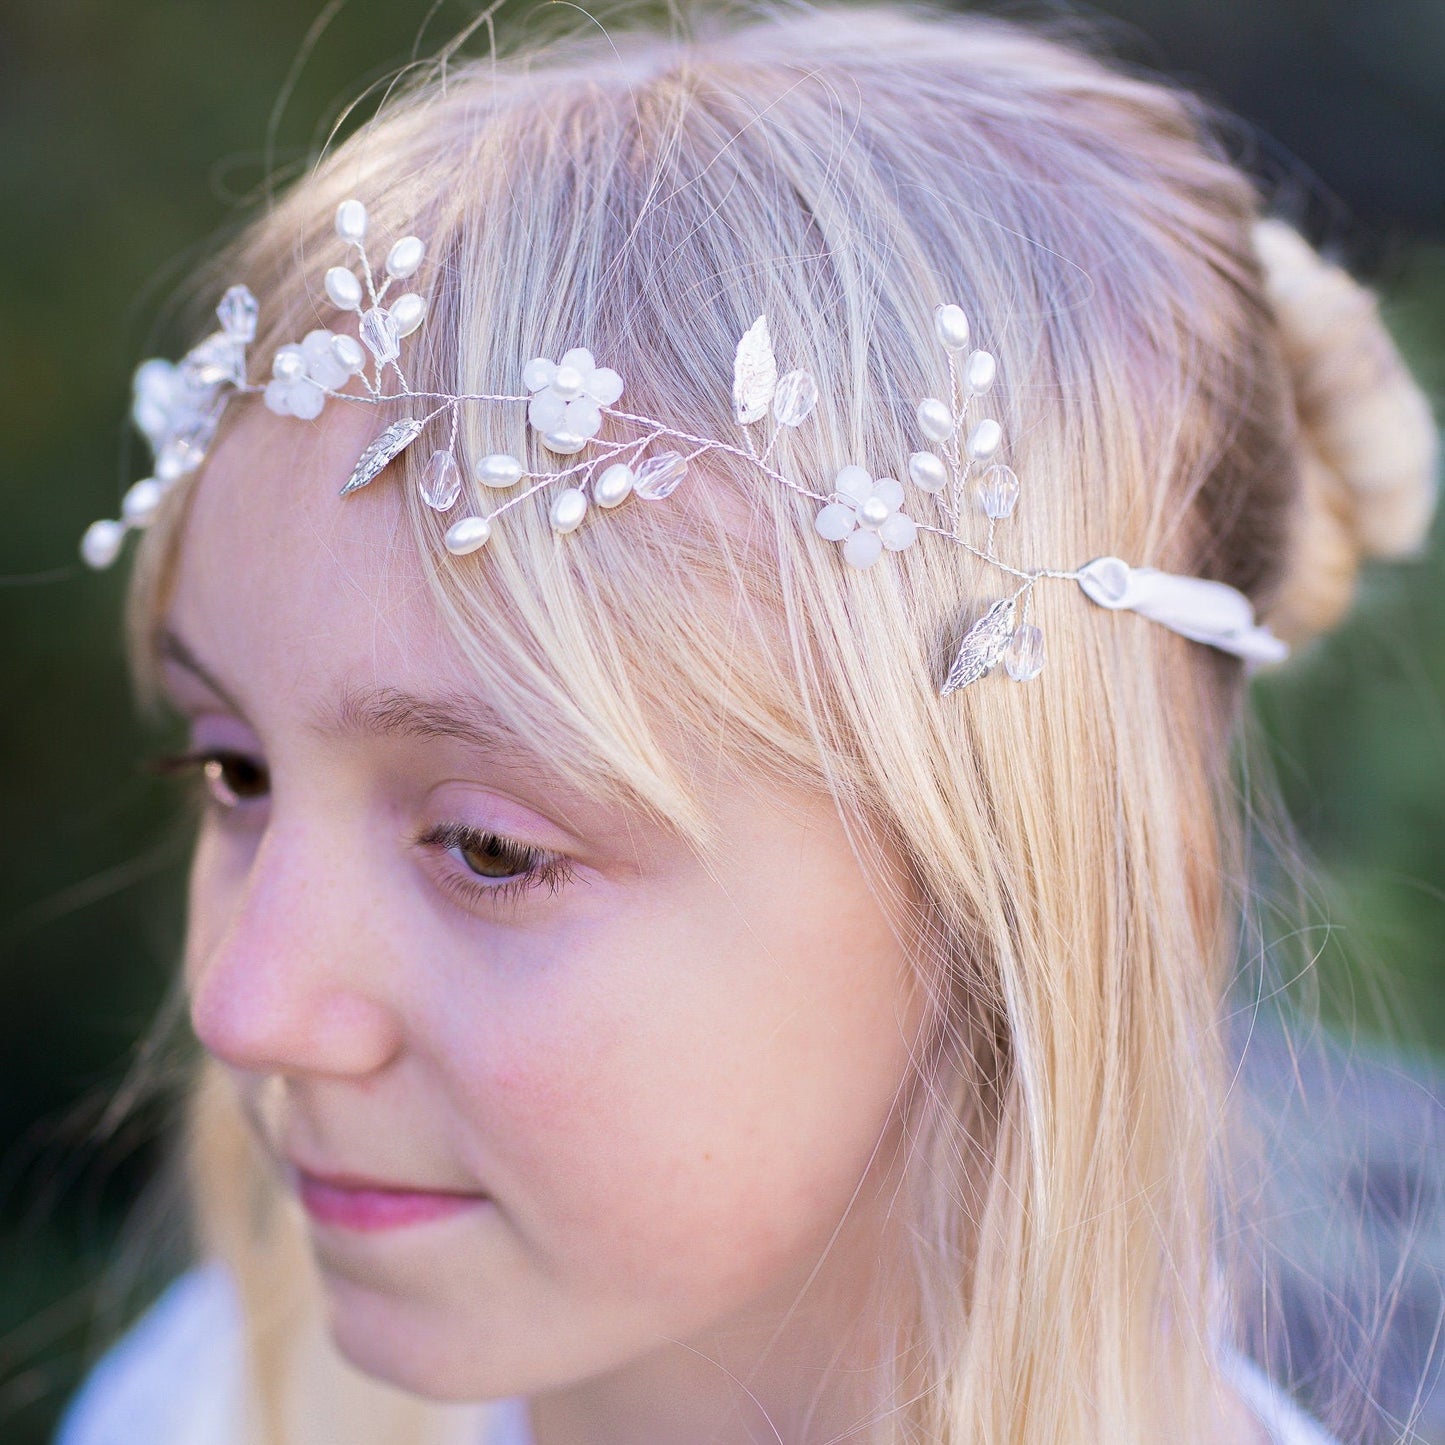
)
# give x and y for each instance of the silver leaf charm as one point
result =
(983, 644)
(386, 448)
(755, 374)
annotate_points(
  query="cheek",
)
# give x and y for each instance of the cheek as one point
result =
(684, 1100)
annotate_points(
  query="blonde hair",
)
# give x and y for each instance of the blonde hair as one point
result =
(1173, 396)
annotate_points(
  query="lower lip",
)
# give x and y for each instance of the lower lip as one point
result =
(376, 1209)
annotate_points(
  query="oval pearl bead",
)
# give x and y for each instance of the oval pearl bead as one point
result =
(568, 510)
(343, 288)
(405, 258)
(873, 512)
(614, 485)
(978, 375)
(935, 419)
(467, 535)
(100, 545)
(140, 502)
(408, 312)
(499, 470)
(928, 471)
(564, 443)
(567, 383)
(348, 353)
(985, 439)
(951, 327)
(351, 221)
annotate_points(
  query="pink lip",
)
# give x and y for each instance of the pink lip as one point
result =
(368, 1207)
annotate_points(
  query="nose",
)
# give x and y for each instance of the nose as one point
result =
(286, 967)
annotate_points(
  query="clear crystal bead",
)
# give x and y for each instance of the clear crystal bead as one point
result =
(441, 483)
(237, 314)
(998, 492)
(659, 476)
(212, 361)
(1024, 656)
(380, 335)
(795, 397)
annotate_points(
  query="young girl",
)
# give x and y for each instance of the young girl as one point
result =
(711, 922)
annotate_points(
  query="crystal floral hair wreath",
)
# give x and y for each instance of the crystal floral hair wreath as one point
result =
(178, 407)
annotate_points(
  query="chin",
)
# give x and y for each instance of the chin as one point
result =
(411, 1349)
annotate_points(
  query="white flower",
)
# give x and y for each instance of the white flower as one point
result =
(568, 397)
(867, 518)
(177, 410)
(302, 375)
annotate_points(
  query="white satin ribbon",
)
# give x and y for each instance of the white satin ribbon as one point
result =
(1210, 612)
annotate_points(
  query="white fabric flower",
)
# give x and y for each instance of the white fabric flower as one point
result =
(568, 397)
(867, 518)
(304, 374)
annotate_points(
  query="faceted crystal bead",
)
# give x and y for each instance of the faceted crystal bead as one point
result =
(214, 360)
(380, 335)
(795, 397)
(237, 315)
(1024, 656)
(998, 492)
(659, 476)
(441, 483)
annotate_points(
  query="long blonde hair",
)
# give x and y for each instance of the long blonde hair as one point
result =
(1077, 840)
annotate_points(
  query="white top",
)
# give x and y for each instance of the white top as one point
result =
(175, 1378)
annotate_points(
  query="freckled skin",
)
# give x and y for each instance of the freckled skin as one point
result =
(671, 1076)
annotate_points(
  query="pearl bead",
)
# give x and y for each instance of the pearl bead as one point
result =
(405, 258)
(935, 419)
(614, 485)
(141, 501)
(563, 442)
(951, 327)
(873, 512)
(348, 353)
(408, 312)
(569, 509)
(978, 375)
(499, 470)
(100, 545)
(985, 439)
(343, 288)
(289, 364)
(467, 535)
(351, 221)
(567, 383)
(928, 471)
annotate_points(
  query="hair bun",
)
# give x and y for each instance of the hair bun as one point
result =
(1367, 440)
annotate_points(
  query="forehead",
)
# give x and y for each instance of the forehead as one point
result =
(276, 569)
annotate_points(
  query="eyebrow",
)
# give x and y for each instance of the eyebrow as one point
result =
(383, 712)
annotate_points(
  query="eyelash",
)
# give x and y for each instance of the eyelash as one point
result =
(534, 867)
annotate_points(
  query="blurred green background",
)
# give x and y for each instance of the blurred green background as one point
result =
(130, 133)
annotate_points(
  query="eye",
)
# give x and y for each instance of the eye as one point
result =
(231, 778)
(490, 865)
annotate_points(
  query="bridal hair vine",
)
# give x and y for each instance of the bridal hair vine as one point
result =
(958, 473)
